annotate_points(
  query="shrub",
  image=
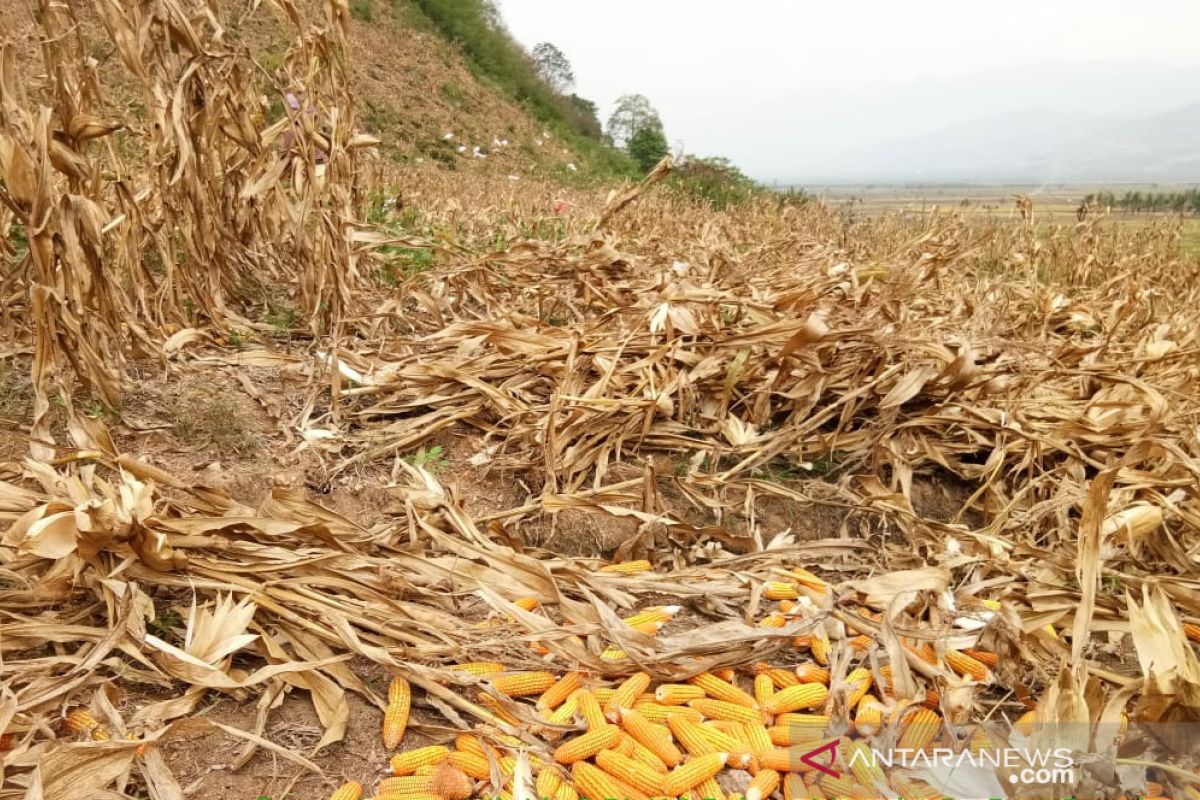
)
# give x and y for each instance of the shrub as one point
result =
(715, 180)
(647, 147)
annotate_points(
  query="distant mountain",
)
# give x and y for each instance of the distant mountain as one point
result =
(1034, 146)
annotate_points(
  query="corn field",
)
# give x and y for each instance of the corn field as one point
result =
(633, 359)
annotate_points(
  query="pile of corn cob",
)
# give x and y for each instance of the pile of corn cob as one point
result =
(719, 734)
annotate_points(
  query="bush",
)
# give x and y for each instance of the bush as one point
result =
(362, 10)
(715, 180)
(647, 147)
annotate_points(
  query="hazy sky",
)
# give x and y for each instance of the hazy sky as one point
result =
(786, 87)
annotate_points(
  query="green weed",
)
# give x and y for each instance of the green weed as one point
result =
(430, 458)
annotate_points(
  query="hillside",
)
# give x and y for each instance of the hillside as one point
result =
(412, 85)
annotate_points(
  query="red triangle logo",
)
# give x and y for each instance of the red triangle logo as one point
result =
(830, 747)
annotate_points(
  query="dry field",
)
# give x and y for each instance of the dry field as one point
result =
(1053, 205)
(319, 472)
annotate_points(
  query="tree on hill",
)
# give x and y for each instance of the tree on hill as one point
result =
(647, 146)
(632, 114)
(554, 67)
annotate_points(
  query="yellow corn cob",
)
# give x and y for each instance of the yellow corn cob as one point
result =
(868, 717)
(799, 729)
(602, 693)
(642, 754)
(808, 579)
(587, 745)
(811, 673)
(765, 782)
(755, 734)
(526, 603)
(594, 783)
(426, 770)
(628, 567)
(391, 794)
(980, 741)
(912, 789)
(773, 620)
(613, 654)
(589, 709)
(966, 665)
(1191, 631)
(925, 652)
(1024, 723)
(866, 772)
(861, 643)
(780, 678)
(844, 786)
(720, 709)
(780, 590)
(1154, 789)
(695, 771)
(565, 712)
(522, 684)
(496, 707)
(708, 789)
(473, 764)
(793, 787)
(920, 728)
(409, 784)
(727, 742)
(787, 606)
(784, 759)
(986, 657)
(658, 713)
(80, 720)
(820, 648)
(812, 785)
(795, 698)
(566, 791)
(726, 674)
(479, 667)
(649, 620)
(719, 689)
(676, 694)
(634, 773)
(395, 717)
(991, 605)
(407, 763)
(508, 765)
(350, 790)
(548, 781)
(563, 688)
(468, 743)
(688, 734)
(802, 641)
(630, 690)
(654, 738)
(763, 688)
(858, 683)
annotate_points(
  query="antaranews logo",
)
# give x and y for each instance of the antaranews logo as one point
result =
(1023, 765)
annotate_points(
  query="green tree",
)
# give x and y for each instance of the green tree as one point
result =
(647, 147)
(633, 112)
(554, 67)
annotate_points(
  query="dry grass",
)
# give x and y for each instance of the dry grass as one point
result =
(209, 420)
(606, 350)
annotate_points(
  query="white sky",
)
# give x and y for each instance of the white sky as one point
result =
(783, 86)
